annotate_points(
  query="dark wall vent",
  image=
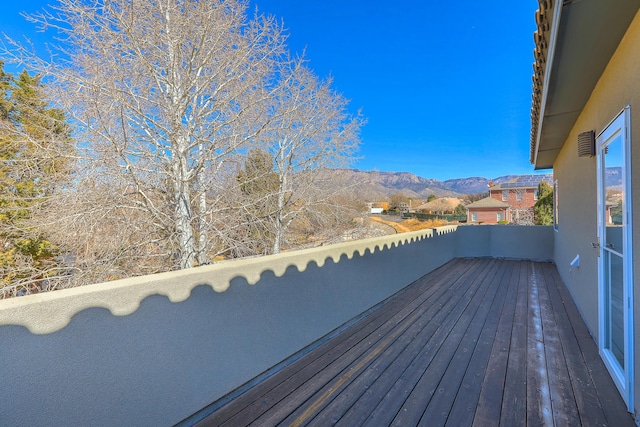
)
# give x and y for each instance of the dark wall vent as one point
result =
(587, 144)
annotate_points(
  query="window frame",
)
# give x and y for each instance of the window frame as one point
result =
(556, 222)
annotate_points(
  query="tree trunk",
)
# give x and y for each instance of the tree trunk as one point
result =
(201, 254)
(279, 225)
(182, 192)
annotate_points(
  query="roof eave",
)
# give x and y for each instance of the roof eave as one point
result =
(582, 37)
(545, 29)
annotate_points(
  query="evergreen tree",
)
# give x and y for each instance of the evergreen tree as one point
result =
(460, 210)
(31, 135)
(543, 209)
(259, 186)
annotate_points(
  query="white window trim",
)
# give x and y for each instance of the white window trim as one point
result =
(555, 205)
(624, 380)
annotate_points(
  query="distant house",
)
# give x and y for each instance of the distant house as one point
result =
(521, 194)
(487, 211)
(377, 207)
(404, 206)
(511, 201)
(380, 205)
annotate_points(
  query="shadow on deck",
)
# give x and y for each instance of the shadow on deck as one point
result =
(476, 342)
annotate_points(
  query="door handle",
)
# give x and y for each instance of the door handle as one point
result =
(595, 245)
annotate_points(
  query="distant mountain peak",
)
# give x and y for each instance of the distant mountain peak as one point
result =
(372, 185)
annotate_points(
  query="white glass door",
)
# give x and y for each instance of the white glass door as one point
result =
(614, 266)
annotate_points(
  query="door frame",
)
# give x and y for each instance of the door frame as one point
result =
(623, 378)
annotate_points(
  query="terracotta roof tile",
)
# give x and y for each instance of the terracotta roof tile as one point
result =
(541, 40)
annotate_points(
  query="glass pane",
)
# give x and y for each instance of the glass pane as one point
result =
(615, 306)
(614, 194)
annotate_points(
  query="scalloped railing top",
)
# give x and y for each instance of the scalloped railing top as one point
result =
(51, 311)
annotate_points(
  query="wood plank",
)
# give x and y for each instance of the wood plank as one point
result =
(451, 384)
(366, 382)
(402, 381)
(451, 348)
(381, 387)
(436, 364)
(589, 407)
(338, 372)
(611, 401)
(492, 389)
(539, 409)
(563, 402)
(514, 401)
(258, 400)
(465, 404)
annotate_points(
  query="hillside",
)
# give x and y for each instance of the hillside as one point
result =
(371, 185)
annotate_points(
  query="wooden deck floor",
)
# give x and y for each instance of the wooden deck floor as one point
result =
(477, 342)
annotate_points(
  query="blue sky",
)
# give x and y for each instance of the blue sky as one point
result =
(445, 86)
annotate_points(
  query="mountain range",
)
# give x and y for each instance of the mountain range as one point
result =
(371, 185)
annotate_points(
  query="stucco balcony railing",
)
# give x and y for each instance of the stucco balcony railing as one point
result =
(154, 350)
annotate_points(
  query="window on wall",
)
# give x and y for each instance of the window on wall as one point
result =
(555, 205)
(474, 216)
(505, 195)
(500, 216)
(519, 194)
(535, 194)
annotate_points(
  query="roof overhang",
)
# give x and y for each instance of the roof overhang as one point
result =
(574, 43)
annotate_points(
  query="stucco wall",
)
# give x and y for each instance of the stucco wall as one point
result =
(577, 184)
(162, 358)
(506, 241)
(156, 349)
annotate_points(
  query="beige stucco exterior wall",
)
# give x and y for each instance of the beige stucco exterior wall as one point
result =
(577, 186)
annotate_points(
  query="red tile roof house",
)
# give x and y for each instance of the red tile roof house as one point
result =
(158, 350)
(511, 201)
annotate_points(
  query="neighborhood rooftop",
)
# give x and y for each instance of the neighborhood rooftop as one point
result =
(523, 181)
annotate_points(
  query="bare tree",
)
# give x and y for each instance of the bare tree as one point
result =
(475, 197)
(398, 201)
(444, 205)
(162, 94)
(309, 130)
(168, 99)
